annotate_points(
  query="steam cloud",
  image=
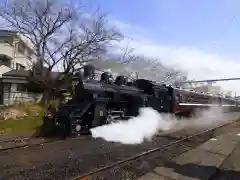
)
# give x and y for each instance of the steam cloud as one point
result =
(149, 123)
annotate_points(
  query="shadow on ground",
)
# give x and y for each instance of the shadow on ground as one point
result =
(203, 172)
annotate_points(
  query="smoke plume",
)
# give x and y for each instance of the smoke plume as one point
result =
(149, 123)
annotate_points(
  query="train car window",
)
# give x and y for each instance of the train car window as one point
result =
(190, 99)
(183, 98)
(199, 99)
(177, 98)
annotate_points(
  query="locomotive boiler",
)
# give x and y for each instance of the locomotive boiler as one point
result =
(97, 102)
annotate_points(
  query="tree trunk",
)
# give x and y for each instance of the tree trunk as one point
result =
(45, 98)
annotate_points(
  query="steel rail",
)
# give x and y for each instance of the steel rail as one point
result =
(84, 176)
(12, 140)
(34, 144)
(27, 145)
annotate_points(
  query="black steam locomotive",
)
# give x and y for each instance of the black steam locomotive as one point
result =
(97, 102)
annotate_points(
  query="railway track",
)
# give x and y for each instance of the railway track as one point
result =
(23, 143)
(120, 169)
(75, 159)
(10, 144)
(14, 140)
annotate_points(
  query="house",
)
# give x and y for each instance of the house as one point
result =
(16, 57)
(15, 53)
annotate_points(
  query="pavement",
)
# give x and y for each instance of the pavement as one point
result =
(216, 159)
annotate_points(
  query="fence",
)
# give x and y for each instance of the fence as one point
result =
(10, 98)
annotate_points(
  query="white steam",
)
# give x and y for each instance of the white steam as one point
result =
(149, 123)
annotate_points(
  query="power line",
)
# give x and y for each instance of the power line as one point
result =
(209, 80)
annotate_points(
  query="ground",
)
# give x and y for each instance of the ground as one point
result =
(67, 158)
(21, 118)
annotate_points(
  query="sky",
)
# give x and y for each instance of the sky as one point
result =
(200, 37)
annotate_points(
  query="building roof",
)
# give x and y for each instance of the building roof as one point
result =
(17, 73)
(24, 73)
(7, 33)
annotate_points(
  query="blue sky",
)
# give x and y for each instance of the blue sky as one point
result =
(200, 37)
(210, 25)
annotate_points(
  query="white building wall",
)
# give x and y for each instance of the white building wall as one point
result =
(4, 69)
(7, 49)
(11, 50)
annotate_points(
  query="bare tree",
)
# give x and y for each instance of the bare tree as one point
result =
(127, 55)
(117, 62)
(128, 62)
(63, 37)
(153, 69)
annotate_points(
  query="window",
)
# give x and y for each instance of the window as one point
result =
(21, 87)
(19, 66)
(7, 87)
(5, 61)
(21, 48)
(29, 54)
(13, 65)
(177, 98)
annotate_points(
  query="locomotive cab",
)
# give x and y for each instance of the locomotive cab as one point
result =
(160, 96)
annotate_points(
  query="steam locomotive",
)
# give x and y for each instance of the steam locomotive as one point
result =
(97, 102)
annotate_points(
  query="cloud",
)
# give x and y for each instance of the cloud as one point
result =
(199, 64)
(3, 23)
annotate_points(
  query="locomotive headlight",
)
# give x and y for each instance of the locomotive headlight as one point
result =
(78, 128)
